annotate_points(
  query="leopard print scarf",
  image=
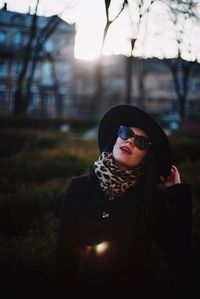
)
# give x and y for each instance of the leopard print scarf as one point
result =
(113, 180)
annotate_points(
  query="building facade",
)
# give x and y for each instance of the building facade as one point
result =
(61, 86)
(152, 85)
(49, 62)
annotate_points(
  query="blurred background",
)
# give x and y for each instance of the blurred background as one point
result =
(62, 65)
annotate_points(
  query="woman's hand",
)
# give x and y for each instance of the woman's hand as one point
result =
(172, 179)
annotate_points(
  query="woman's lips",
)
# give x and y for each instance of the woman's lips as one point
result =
(126, 149)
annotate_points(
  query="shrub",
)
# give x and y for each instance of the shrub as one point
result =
(13, 141)
(185, 151)
(45, 124)
(29, 209)
(32, 256)
(185, 146)
(34, 173)
(41, 168)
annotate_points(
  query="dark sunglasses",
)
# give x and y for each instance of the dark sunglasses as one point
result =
(141, 142)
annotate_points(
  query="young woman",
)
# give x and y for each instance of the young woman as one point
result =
(131, 201)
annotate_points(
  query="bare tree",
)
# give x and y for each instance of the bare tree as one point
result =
(181, 70)
(20, 101)
(33, 53)
(181, 11)
(143, 70)
(99, 76)
(37, 50)
(143, 9)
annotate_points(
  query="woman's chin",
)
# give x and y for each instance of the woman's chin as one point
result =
(122, 164)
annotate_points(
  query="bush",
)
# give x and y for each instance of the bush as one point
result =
(35, 170)
(29, 209)
(31, 257)
(185, 146)
(45, 124)
(185, 151)
(13, 141)
(41, 168)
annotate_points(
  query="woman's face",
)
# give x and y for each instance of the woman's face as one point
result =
(126, 154)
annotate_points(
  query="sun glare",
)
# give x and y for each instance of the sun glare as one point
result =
(84, 47)
(90, 19)
(89, 30)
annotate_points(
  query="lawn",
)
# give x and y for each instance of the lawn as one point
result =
(36, 166)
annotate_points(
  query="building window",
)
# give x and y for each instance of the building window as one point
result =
(17, 67)
(48, 100)
(2, 94)
(18, 20)
(116, 84)
(3, 38)
(34, 98)
(18, 40)
(61, 98)
(49, 46)
(47, 71)
(63, 71)
(193, 111)
(37, 70)
(3, 68)
(3, 98)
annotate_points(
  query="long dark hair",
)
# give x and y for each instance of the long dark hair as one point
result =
(150, 181)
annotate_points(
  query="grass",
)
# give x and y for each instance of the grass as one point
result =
(35, 169)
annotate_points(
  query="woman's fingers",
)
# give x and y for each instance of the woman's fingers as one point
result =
(173, 178)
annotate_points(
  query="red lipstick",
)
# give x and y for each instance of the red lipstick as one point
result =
(126, 149)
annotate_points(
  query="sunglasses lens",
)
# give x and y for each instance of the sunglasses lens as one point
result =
(141, 142)
(125, 133)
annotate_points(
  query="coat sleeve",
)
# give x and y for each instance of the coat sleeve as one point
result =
(172, 230)
(68, 241)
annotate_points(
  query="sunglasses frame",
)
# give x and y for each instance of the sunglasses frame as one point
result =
(129, 133)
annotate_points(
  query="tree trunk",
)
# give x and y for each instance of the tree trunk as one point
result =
(182, 102)
(20, 99)
(128, 79)
(99, 94)
(19, 105)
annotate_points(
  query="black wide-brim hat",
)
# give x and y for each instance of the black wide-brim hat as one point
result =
(132, 116)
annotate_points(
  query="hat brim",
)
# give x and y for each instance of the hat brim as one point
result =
(132, 116)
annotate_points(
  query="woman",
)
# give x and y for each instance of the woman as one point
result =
(131, 199)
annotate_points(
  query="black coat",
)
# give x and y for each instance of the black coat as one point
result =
(88, 218)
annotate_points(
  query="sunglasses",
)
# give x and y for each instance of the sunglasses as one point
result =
(141, 142)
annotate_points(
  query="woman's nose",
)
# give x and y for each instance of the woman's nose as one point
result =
(131, 141)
